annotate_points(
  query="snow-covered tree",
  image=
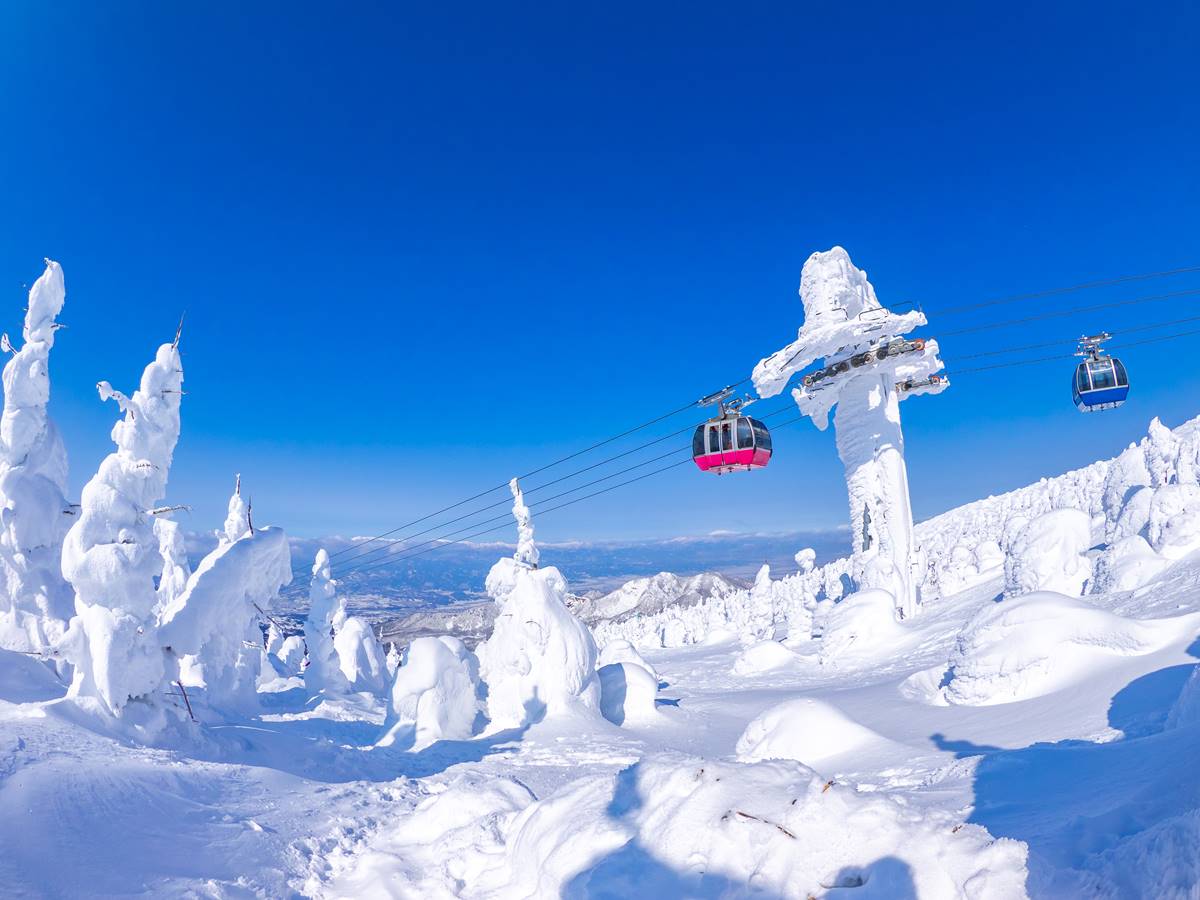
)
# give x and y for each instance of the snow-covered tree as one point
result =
(360, 656)
(175, 567)
(111, 554)
(435, 695)
(237, 520)
(215, 619)
(36, 602)
(326, 614)
(540, 659)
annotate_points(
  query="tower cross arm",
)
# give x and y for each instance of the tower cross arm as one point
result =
(824, 340)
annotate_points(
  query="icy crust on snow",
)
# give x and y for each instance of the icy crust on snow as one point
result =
(673, 826)
(1043, 642)
(36, 602)
(110, 556)
(435, 695)
(215, 618)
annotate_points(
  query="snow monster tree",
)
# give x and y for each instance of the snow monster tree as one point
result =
(35, 602)
(868, 368)
(111, 554)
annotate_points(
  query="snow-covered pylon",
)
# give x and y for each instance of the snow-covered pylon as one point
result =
(868, 369)
(35, 602)
(111, 554)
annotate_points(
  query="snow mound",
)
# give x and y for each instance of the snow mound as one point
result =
(627, 693)
(1048, 555)
(807, 730)
(764, 656)
(1128, 564)
(862, 625)
(674, 826)
(435, 695)
(619, 651)
(1044, 642)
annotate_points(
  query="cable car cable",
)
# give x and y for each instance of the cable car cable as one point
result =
(1055, 314)
(549, 465)
(1014, 298)
(1063, 356)
(1058, 343)
(542, 512)
(387, 544)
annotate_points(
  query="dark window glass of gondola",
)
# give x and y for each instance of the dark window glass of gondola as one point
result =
(745, 434)
(1122, 375)
(762, 437)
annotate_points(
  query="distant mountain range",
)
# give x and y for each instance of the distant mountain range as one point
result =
(382, 591)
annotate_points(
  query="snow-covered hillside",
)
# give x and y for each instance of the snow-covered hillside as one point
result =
(1030, 727)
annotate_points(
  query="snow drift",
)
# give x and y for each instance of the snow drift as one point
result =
(1044, 642)
(807, 730)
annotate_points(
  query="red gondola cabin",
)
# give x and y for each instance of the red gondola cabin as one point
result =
(731, 443)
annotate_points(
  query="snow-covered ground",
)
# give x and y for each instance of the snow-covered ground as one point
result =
(986, 747)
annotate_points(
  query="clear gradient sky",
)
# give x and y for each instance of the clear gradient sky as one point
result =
(423, 247)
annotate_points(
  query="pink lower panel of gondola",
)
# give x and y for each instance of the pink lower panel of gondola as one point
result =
(733, 460)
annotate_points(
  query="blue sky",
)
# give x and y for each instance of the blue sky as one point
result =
(422, 249)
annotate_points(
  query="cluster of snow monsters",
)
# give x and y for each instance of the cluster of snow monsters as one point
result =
(539, 662)
(103, 587)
